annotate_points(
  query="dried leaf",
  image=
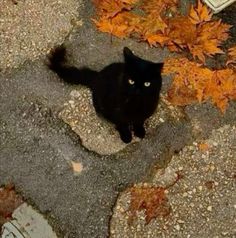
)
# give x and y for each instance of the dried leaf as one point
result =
(223, 84)
(122, 25)
(158, 7)
(151, 29)
(201, 84)
(181, 96)
(130, 2)
(231, 55)
(201, 40)
(200, 14)
(9, 201)
(181, 31)
(110, 8)
(151, 199)
(154, 39)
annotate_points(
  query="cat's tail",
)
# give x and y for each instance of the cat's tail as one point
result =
(70, 74)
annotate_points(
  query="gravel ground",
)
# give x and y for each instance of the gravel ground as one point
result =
(202, 200)
(37, 147)
(30, 28)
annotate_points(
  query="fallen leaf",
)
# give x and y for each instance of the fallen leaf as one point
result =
(122, 25)
(9, 201)
(110, 8)
(154, 39)
(181, 96)
(152, 200)
(193, 82)
(222, 88)
(181, 31)
(151, 29)
(200, 13)
(231, 56)
(210, 36)
(158, 7)
(130, 2)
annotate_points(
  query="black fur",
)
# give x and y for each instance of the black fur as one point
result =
(121, 91)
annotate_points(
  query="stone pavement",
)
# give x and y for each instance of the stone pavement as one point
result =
(203, 200)
(37, 147)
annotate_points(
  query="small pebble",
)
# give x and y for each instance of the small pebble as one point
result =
(177, 227)
(209, 208)
(215, 143)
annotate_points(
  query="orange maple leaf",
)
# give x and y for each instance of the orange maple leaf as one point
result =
(181, 31)
(200, 13)
(231, 55)
(159, 7)
(151, 199)
(130, 2)
(158, 38)
(151, 29)
(201, 39)
(221, 88)
(193, 82)
(209, 37)
(110, 8)
(214, 30)
(122, 25)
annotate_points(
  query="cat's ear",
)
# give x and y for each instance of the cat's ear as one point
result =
(127, 51)
(159, 67)
(128, 54)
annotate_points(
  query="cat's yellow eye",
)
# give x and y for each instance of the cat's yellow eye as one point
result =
(131, 82)
(147, 84)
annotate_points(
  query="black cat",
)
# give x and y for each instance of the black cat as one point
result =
(123, 93)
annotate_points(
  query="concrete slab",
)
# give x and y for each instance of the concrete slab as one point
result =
(30, 29)
(200, 187)
(27, 223)
(218, 5)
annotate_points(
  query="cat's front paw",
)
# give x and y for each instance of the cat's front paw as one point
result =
(125, 134)
(139, 131)
(126, 138)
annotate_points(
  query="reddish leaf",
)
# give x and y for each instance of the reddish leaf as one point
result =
(151, 199)
(9, 201)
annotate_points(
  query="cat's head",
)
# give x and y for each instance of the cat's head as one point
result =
(142, 76)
